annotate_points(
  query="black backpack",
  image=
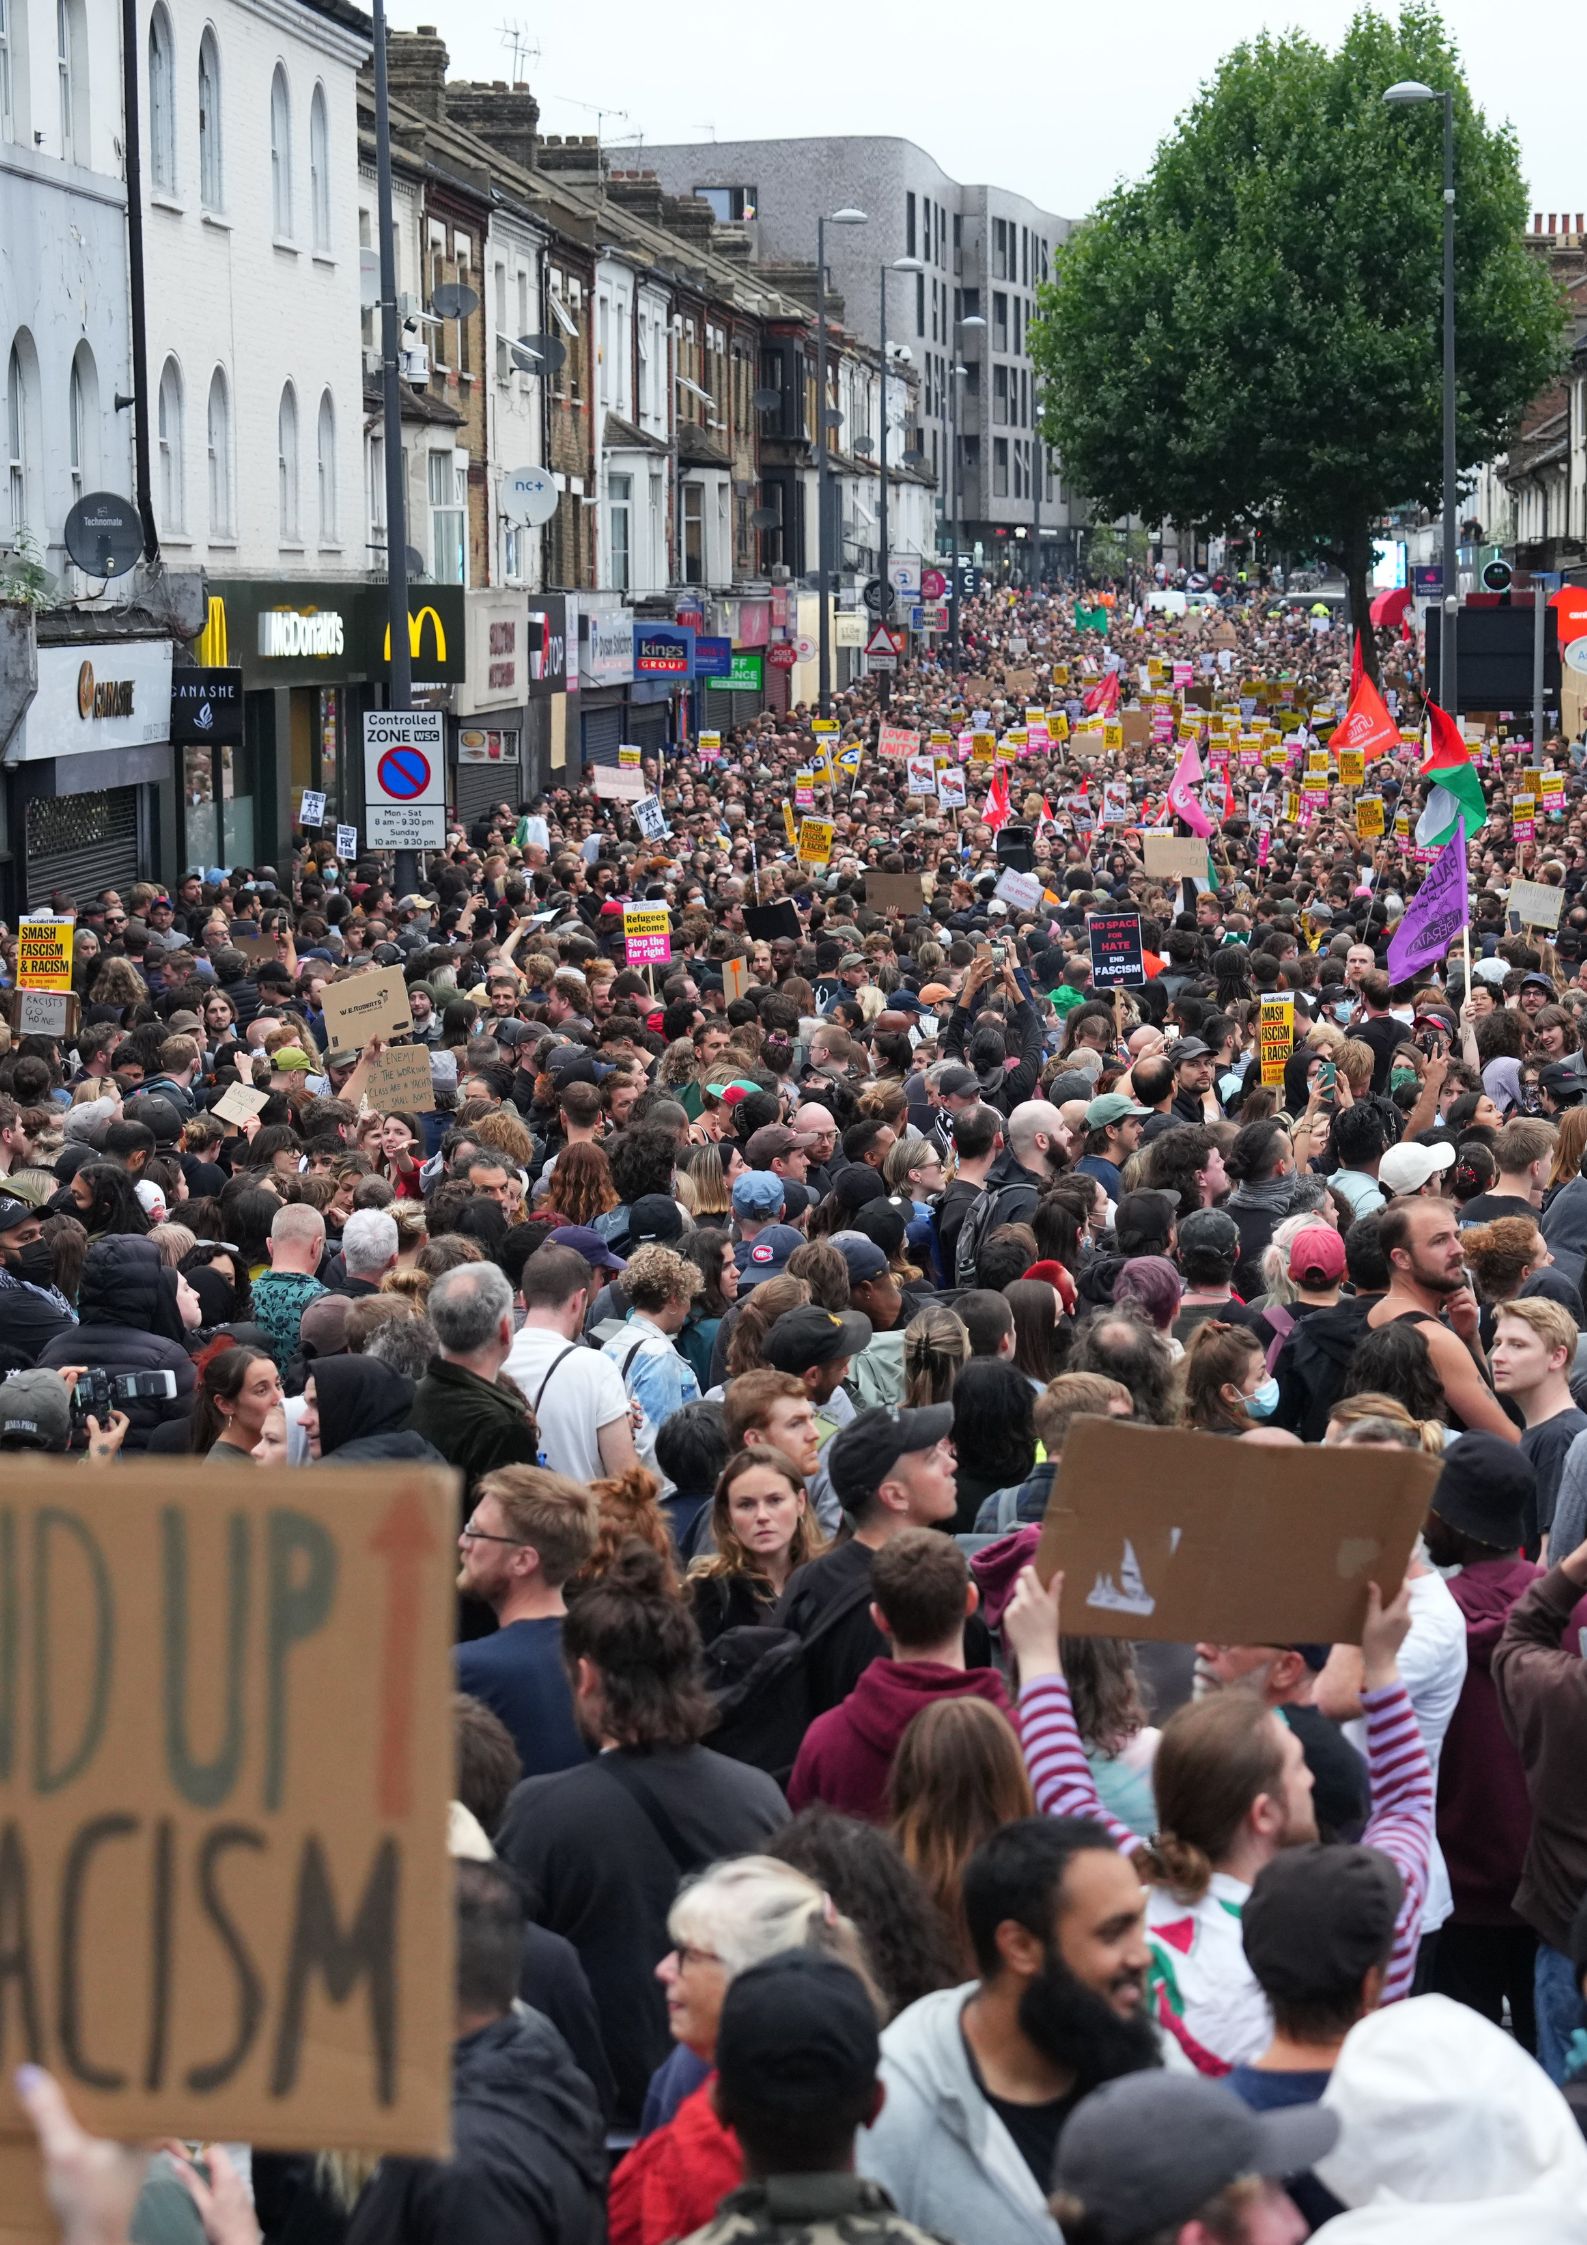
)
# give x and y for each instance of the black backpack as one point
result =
(979, 1224)
(758, 1678)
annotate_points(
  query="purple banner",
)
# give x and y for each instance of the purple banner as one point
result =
(1436, 914)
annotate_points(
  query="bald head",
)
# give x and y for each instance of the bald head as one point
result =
(1036, 1134)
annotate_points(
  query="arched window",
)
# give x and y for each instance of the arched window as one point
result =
(325, 456)
(219, 442)
(21, 436)
(320, 169)
(211, 178)
(287, 466)
(162, 104)
(173, 478)
(83, 422)
(281, 155)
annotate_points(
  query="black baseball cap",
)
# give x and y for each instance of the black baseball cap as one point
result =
(797, 2034)
(1318, 1919)
(804, 1338)
(1140, 2154)
(654, 1220)
(867, 1449)
(15, 1212)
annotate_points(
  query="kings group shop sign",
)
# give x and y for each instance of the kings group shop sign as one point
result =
(663, 651)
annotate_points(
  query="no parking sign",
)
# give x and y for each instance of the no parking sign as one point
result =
(404, 779)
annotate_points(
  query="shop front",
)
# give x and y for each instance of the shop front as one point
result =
(90, 795)
(553, 653)
(487, 729)
(664, 667)
(313, 656)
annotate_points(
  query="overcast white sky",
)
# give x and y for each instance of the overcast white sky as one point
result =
(1054, 102)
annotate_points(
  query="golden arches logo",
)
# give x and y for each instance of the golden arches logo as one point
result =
(416, 635)
(212, 649)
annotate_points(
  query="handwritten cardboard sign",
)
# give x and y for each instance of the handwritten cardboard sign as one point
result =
(1178, 1536)
(238, 1103)
(1535, 904)
(367, 1005)
(227, 1918)
(1169, 858)
(399, 1081)
(895, 892)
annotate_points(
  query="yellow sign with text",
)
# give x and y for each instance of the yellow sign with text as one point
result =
(44, 955)
(1352, 767)
(1369, 818)
(815, 841)
(1275, 1037)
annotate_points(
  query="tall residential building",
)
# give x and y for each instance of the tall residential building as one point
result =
(983, 252)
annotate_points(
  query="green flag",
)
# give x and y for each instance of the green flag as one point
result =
(1091, 619)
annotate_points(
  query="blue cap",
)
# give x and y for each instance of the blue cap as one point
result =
(586, 1241)
(757, 1192)
(766, 1256)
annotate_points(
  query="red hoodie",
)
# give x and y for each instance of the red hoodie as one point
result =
(672, 2184)
(848, 1752)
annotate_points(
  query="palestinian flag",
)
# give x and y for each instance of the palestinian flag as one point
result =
(1456, 798)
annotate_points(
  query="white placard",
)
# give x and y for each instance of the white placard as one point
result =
(1021, 892)
(311, 810)
(651, 819)
(347, 843)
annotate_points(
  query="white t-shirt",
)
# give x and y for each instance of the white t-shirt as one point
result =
(1432, 1666)
(583, 1394)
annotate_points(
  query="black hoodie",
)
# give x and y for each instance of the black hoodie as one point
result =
(364, 1407)
(128, 1321)
(528, 2164)
(1310, 1367)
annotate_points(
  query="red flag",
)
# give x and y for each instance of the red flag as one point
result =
(1357, 671)
(997, 810)
(1102, 700)
(1367, 724)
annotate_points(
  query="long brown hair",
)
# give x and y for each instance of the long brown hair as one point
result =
(581, 1185)
(730, 1557)
(758, 1312)
(1218, 1355)
(957, 1777)
(1214, 1759)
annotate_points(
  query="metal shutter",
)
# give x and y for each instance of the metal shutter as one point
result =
(478, 786)
(647, 727)
(601, 734)
(83, 843)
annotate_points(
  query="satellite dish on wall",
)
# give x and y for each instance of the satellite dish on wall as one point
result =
(368, 277)
(529, 496)
(546, 351)
(454, 300)
(764, 400)
(104, 534)
(833, 417)
(416, 564)
(863, 445)
(764, 518)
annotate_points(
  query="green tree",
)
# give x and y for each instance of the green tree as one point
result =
(1251, 336)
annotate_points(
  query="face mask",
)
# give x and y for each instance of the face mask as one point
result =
(35, 1263)
(1400, 1077)
(1343, 1011)
(1264, 1402)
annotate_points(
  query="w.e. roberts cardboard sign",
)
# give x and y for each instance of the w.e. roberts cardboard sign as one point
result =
(225, 1762)
(1168, 1534)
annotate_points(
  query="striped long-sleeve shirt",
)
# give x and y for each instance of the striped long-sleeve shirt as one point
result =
(1204, 1989)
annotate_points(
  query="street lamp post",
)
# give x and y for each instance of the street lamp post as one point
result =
(899, 265)
(1410, 93)
(955, 374)
(844, 217)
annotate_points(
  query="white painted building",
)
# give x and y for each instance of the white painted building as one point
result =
(632, 459)
(251, 241)
(515, 419)
(63, 270)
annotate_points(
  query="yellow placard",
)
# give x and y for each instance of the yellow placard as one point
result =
(815, 841)
(44, 955)
(1060, 674)
(1275, 1037)
(983, 747)
(1113, 738)
(1352, 767)
(1058, 727)
(629, 758)
(1369, 818)
(1532, 779)
(1317, 761)
(789, 827)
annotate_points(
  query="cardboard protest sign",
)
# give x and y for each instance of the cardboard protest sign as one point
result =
(238, 1103)
(1534, 904)
(243, 1907)
(365, 1006)
(1168, 858)
(43, 1013)
(897, 740)
(735, 978)
(1275, 1036)
(618, 783)
(1115, 940)
(399, 1081)
(895, 892)
(44, 954)
(647, 935)
(1176, 1536)
(1136, 726)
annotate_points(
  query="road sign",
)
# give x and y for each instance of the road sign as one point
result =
(904, 576)
(933, 584)
(881, 642)
(405, 779)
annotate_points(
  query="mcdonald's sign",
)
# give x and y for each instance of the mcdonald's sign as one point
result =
(435, 633)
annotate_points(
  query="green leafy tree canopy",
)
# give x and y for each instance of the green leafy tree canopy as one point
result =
(1251, 336)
